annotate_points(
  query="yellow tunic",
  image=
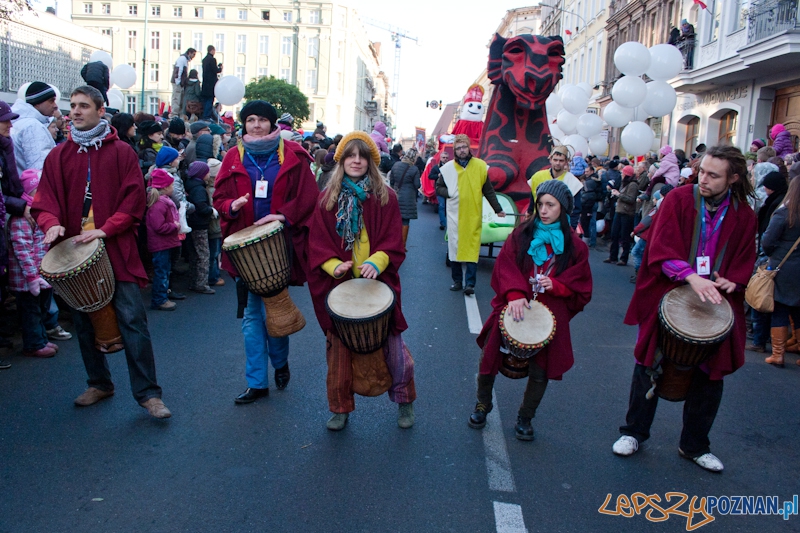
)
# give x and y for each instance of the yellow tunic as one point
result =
(361, 255)
(464, 208)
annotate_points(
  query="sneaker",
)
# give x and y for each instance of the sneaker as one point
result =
(338, 421)
(58, 334)
(202, 290)
(523, 429)
(625, 446)
(478, 418)
(166, 306)
(4, 365)
(42, 353)
(469, 290)
(172, 295)
(156, 408)
(456, 286)
(405, 418)
(707, 461)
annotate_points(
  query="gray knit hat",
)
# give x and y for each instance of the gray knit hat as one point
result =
(286, 118)
(558, 190)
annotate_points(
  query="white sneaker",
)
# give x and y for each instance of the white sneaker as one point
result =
(707, 461)
(625, 446)
(58, 334)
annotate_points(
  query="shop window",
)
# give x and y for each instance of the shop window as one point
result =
(692, 134)
(727, 128)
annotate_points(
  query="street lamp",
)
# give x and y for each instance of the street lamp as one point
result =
(144, 52)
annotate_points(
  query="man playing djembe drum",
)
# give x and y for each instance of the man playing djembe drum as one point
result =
(96, 173)
(715, 215)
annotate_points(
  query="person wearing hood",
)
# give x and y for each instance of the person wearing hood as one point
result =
(578, 165)
(204, 147)
(96, 74)
(116, 209)
(755, 146)
(199, 221)
(32, 141)
(176, 134)
(379, 136)
(13, 204)
(214, 229)
(668, 167)
(193, 104)
(404, 179)
(781, 140)
(169, 159)
(328, 165)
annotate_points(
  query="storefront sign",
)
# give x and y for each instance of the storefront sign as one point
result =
(716, 97)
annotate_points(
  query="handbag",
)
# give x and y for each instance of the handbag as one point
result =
(760, 291)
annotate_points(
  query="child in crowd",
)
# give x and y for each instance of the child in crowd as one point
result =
(199, 221)
(162, 236)
(214, 229)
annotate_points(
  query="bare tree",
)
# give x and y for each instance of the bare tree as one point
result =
(10, 8)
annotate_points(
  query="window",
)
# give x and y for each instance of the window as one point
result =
(131, 106)
(240, 73)
(727, 128)
(740, 14)
(313, 46)
(132, 64)
(153, 104)
(132, 39)
(198, 12)
(265, 14)
(106, 31)
(219, 42)
(286, 46)
(221, 13)
(692, 134)
(314, 16)
(177, 12)
(154, 72)
(155, 11)
(339, 81)
(155, 40)
(340, 50)
(589, 66)
(176, 40)
(597, 71)
(311, 79)
(105, 9)
(287, 16)
(263, 73)
(242, 14)
(197, 41)
(715, 9)
(284, 74)
(133, 10)
(87, 8)
(241, 44)
(263, 44)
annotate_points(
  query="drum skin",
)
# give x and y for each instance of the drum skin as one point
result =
(360, 310)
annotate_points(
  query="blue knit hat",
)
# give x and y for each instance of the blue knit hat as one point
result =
(166, 155)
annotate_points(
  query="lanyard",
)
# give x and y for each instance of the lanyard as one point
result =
(260, 170)
(87, 195)
(534, 280)
(705, 238)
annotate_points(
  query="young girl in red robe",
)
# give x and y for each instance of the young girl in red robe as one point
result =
(544, 247)
(356, 229)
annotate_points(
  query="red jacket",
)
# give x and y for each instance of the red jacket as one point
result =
(118, 199)
(294, 197)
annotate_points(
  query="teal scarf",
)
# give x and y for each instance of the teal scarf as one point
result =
(546, 234)
(349, 217)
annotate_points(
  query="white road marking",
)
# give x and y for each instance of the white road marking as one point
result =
(508, 518)
(498, 465)
(473, 314)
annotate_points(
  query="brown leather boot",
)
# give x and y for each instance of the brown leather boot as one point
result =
(405, 237)
(791, 344)
(779, 336)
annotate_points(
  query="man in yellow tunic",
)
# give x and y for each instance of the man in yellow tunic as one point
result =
(558, 170)
(464, 182)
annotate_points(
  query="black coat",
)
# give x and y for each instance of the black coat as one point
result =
(96, 73)
(776, 243)
(197, 195)
(210, 73)
(405, 180)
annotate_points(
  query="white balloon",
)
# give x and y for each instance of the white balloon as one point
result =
(589, 125)
(637, 138)
(666, 62)
(629, 91)
(553, 105)
(567, 122)
(586, 88)
(123, 76)
(576, 143)
(563, 89)
(661, 99)
(640, 113)
(105, 57)
(117, 94)
(617, 116)
(601, 225)
(598, 145)
(632, 58)
(575, 100)
(556, 133)
(115, 101)
(229, 90)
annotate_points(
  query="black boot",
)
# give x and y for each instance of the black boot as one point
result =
(484, 406)
(523, 429)
(282, 376)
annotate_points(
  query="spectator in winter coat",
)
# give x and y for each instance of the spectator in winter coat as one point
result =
(204, 147)
(163, 226)
(781, 140)
(404, 179)
(96, 74)
(9, 177)
(199, 221)
(668, 167)
(32, 141)
(193, 104)
(379, 136)
(578, 165)
(211, 71)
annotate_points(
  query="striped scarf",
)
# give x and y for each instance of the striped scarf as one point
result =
(93, 137)
(349, 217)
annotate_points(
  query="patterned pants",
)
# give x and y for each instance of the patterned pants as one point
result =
(200, 270)
(340, 373)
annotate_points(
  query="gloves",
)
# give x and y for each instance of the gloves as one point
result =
(215, 212)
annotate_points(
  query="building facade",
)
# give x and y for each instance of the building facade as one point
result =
(321, 47)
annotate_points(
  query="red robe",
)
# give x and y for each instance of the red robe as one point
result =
(670, 238)
(294, 197)
(383, 225)
(509, 283)
(118, 199)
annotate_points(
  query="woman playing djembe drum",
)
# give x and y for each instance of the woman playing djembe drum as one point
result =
(546, 256)
(266, 179)
(357, 234)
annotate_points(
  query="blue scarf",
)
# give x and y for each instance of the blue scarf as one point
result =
(546, 234)
(349, 217)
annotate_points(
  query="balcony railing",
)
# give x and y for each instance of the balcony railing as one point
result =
(769, 17)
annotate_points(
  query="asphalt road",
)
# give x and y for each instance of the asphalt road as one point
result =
(273, 466)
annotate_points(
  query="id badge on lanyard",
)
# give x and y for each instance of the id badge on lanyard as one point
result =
(262, 186)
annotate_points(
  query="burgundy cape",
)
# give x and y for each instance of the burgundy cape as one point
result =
(383, 225)
(118, 199)
(671, 238)
(556, 358)
(294, 197)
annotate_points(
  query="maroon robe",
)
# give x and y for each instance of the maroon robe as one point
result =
(118, 199)
(294, 197)
(383, 225)
(507, 280)
(671, 239)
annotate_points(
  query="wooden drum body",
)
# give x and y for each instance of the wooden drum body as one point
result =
(82, 275)
(524, 339)
(360, 309)
(260, 256)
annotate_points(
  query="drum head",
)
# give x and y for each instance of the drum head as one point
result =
(534, 329)
(360, 298)
(684, 312)
(251, 234)
(66, 256)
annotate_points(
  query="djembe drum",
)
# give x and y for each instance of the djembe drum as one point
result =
(690, 331)
(82, 275)
(524, 339)
(260, 256)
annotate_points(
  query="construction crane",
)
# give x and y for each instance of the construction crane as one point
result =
(397, 35)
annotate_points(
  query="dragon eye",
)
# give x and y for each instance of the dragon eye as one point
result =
(515, 50)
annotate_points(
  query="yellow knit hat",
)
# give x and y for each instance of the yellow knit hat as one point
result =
(360, 135)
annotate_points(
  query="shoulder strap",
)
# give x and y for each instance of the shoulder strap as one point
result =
(794, 247)
(698, 205)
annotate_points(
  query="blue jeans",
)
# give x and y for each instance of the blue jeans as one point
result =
(32, 314)
(638, 252)
(593, 227)
(214, 249)
(442, 213)
(51, 316)
(208, 107)
(259, 346)
(761, 323)
(472, 273)
(162, 264)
